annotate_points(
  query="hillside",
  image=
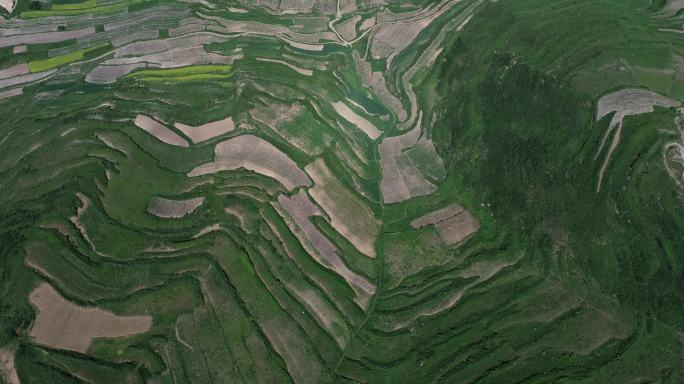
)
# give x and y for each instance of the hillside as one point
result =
(370, 191)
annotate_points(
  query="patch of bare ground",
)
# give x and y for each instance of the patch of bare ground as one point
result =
(406, 162)
(206, 230)
(347, 28)
(63, 325)
(75, 220)
(625, 102)
(25, 79)
(673, 154)
(206, 131)
(670, 9)
(11, 93)
(158, 130)
(360, 122)
(300, 208)
(7, 371)
(453, 223)
(257, 155)
(326, 316)
(44, 37)
(674, 162)
(15, 70)
(349, 215)
(398, 31)
(8, 5)
(173, 209)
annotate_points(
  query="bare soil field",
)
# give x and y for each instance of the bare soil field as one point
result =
(15, 70)
(254, 154)
(11, 93)
(8, 5)
(206, 131)
(453, 223)
(7, 371)
(401, 178)
(348, 213)
(64, 325)
(625, 102)
(27, 78)
(364, 125)
(44, 37)
(300, 208)
(669, 9)
(325, 315)
(173, 209)
(158, 130)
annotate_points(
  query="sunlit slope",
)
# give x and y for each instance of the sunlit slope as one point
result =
(446, 191)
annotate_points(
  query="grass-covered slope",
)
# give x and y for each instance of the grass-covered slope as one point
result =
(488, 106)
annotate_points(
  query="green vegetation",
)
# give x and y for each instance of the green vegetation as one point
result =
(58, 61)
(84, 8)
(84, 5)
(187, 78)
(193, 73)
(559, 284)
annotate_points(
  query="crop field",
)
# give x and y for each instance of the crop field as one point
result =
(371, 191)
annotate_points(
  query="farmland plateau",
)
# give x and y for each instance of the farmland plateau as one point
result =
(341, 191)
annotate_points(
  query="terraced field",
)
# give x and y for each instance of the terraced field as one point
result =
(371, 191)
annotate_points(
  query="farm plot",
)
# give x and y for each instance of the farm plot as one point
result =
(7, 371)
(408, 162)
(395, 35)
(173, 209)
(206, 131)
(25, 79)
(64, 325)
(301, 209)
(255, 154)
(45, 37)
(360, 122)
(453, 223)
(671, 7)
(301, 71)
(87, 7)
(58, 61)
(349, 215)
(376, 81)
(8, 5)
(179, 74)
(158, 130)
(11, 93)
(347, 28)
(674, 161)
(15, 70)
(673, 154)
(111, 70)
(626, 102)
